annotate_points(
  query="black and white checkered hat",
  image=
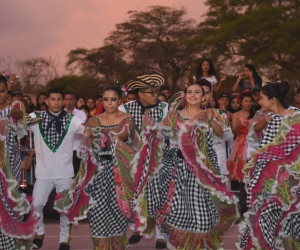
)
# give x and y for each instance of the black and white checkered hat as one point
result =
(146, 81)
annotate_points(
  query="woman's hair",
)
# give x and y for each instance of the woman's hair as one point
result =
(163, 95)
(91, 98)
(211, 70)
(85, 107)
(241, 98)
(114, 88)
(27, 97)
(230, 109)
(257, 78)
(276, 90)
(4, 80)
(37, 100)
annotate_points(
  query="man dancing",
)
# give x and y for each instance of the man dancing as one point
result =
(53, 139)
(147, 87)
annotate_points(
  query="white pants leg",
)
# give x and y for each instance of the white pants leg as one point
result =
(60, 185)
(41, 191)
(159, 235)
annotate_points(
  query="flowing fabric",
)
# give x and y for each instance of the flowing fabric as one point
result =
(103, 188)
(273, 187)
(17, 220)
(238, 155)
(179, 186)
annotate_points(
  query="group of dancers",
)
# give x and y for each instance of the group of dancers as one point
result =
(154, 170)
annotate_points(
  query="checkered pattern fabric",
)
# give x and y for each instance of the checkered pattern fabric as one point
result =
(135, 109)
(210, 151)
(268, 221)
(192, 208)
(106, 218)
(51, 134)
(292, 226)
(6, 242)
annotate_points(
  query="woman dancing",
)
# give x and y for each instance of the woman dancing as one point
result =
(17, 220)
(102, 189)
(272, 177)
(185, 193)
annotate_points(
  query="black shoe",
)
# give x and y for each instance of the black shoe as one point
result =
(38, 241)
(160, 245)
(64, 246)
(134, 239)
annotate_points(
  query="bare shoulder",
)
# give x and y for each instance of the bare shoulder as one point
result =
(124, 115)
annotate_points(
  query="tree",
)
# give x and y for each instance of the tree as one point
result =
(36, 72)
(79, 85)
(157, 40)
(265, 33)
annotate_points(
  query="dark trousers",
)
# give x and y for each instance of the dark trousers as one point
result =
(76, 162)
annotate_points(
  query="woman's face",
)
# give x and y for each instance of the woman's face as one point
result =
(194, 95)
(90, 103)
(246, 72)
(80, 102)
(265, 103)
(111, 101)
(246, 103)
(42, 99)
(26, 98)
(3, 92)
(205, 66)
(234, 104)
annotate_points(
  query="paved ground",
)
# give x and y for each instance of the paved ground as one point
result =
(81, 239)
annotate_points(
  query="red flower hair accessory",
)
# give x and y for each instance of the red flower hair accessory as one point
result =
(239, 98)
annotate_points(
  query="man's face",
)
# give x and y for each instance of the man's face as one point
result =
(129, 98)
(69, 102)
(223, 102)
(206, 96)
(148, 96)
(55, 102)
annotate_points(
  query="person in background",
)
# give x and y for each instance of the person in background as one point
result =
(241, 122)
(98, 100)
(43, 107)
(255, 98)
(162, 97)
(53, 140)
(166, 90)
(80, 101)
(234, 106)
(9, 97)
(212, 102)
(30, 105)
(17, 95)
(296, 101)
(86, 110)
(247, 79)
(69, 103)
(206, 70)
(90, 102)
(40, 99)
(131, 96)
(223, 102)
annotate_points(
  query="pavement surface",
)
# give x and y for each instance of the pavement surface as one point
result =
(81, 238)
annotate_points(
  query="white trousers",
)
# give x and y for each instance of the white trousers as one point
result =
(41, 191)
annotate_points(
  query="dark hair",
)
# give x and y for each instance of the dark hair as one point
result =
(163, 95)
(9, 93)
(55, 91)
(298, 90)
(164, 87)
(91, 98)
(203, 82)
(113, 88)
(252, 111)
(132, 92)
(37, 99)
(70, 93)
(27, 96)
(255, 90)
(230, 109)
(85, 107)
(80, 97)
(257, 78)
(211, 70)
(276, 90)
(99, 96)
(4, 80)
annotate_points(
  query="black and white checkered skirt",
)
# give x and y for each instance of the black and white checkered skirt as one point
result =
(106, 218)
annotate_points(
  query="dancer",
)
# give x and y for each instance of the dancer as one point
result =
(147, 87)
(272, 178)
(103, 188)
(17, 220)
(185, 192)
(53, 140)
